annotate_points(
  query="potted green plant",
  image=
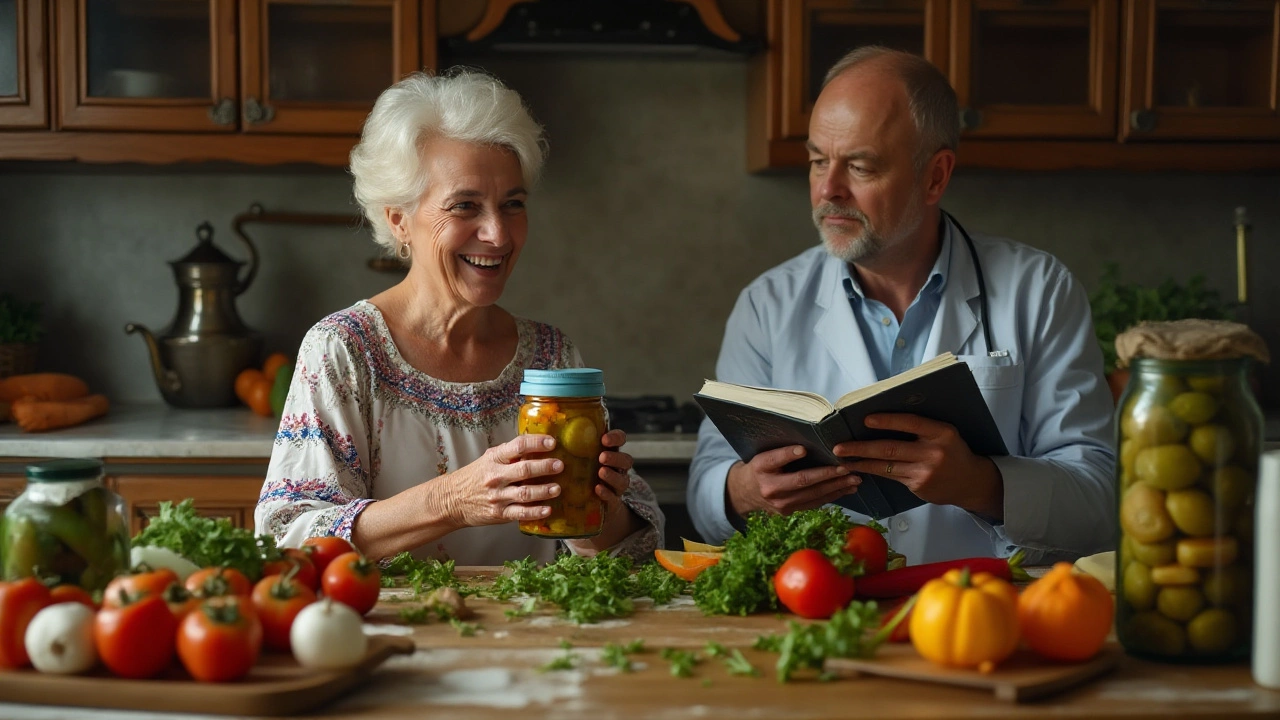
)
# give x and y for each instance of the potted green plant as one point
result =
(1118, 306)
(19, 332)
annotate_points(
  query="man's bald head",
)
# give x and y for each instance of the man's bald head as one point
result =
(930, 98)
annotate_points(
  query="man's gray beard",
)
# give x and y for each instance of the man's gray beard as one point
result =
(849, 248)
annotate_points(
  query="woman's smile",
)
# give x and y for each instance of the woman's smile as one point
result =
(488, 265)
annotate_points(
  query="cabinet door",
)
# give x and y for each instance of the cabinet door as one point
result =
(817, 33)
(23, 59)
(316, 66)
(230, 496)
(1201, 70)
(1035, 70)
(147, 64)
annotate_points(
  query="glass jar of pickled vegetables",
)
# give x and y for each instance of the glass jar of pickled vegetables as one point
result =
(66, 527)
(568, 405)
(1190, 435)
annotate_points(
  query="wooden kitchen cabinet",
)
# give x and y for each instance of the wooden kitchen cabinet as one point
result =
(230, 496)
(1201, 70)
(313, 66)
(24, 60)
(146, 65)
(11, 486)
(1042, 70)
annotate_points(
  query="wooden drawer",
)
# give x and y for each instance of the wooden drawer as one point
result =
(229, 496)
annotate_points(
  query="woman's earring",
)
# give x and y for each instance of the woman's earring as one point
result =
(403, 251)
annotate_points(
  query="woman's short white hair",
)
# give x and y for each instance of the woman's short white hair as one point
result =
(462, 104)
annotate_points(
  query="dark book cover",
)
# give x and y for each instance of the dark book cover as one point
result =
(949, 395)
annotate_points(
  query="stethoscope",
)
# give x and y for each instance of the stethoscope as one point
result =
(983, 313)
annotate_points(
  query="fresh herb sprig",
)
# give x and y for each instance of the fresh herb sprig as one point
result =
(682, 661)
(422, 575)
(656, 582)
(616, 655)
(207, 542)
(742, 582)
(465, 629)
(566, 661)
(852, 632)
(586, 589)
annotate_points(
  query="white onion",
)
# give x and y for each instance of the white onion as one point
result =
(60, 639)
(327, 635)
(162, 557)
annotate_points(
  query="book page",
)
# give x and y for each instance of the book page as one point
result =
(794, 403)
(924, 368)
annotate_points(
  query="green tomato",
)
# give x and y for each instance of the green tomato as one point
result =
(1179, 602)
(1154, 633)
(1139, 590)
(1212, 444)
(581, 437)
(1194, 408)
(1167, 467)
(1212, 632)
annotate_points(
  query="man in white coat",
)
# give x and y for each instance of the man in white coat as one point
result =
(898, 281)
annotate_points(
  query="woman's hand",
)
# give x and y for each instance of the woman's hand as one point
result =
(619, 521)
(495, 489)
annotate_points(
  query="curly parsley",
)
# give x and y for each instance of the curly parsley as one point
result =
(852, 632)
(422, 575)
(207, 542)
(742, 582)
(682, 661)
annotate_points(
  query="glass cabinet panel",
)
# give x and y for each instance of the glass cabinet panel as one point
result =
(9, 53)
(23, 60)
(1200, 70)
(329, 53)
(147, 49)
(1031, 58)
(819, 32)
(833, 33)
(1214, 58)
(1042, 70)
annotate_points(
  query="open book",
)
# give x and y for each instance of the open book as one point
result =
(755, 420)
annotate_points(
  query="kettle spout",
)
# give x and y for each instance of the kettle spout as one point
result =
(166, 379)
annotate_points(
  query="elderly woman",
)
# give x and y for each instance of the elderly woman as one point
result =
(399, 432)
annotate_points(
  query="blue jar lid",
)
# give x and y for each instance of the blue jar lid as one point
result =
(568, 382)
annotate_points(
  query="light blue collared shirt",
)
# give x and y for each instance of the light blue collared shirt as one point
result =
(895, 347)
(795, 327)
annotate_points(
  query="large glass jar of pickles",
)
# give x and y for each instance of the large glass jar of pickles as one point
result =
(1189, 442)
(567, 405)
(66, 527)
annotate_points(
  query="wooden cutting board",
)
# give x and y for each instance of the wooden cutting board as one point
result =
(1025, 676)
(276, 686)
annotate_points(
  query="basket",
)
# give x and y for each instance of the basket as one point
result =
(17, 359)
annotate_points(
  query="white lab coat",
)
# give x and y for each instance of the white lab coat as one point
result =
(793, 327)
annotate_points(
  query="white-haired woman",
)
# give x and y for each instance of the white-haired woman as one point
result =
(399, 432)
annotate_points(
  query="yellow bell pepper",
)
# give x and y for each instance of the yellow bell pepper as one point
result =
(966, 621)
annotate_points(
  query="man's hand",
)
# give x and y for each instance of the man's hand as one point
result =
(762, 485)
(937, 466)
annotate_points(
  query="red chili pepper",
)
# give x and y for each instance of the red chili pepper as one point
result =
(908, 580)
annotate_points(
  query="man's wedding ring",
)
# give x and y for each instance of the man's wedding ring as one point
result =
(888, 469)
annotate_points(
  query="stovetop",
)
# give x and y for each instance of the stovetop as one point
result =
(653, 414)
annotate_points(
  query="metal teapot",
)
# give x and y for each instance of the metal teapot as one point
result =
(197, 358)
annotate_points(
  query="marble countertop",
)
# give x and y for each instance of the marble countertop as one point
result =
(159, 431)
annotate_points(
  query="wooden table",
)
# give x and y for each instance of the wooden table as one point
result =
(494, 674)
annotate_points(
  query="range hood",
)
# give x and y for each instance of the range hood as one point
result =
(662, 26)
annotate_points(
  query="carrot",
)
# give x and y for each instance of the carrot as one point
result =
(42, 386)
(907, 580)
(34, 415)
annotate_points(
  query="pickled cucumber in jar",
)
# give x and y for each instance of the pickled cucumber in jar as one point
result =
(65, 527)
(567, 405)
(1188, 438)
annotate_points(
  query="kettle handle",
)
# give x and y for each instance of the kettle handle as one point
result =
(238, 226)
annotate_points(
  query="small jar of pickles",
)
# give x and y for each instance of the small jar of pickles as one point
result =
(66, 527)
(568, 405)
(1190, 434)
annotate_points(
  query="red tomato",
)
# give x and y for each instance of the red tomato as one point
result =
(869, 546)
(810, 586)
(325, 549)
(135, 640)
(180, 600)
(147, 582)
(293, 557)
(354, 581)
(278, 600)
(72, 593)
(20, 600)
(221, 639)
(216, 582)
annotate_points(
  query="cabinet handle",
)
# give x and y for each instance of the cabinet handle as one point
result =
(255, 113)
(224, 112)
(1143, 120)
(970, 119)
